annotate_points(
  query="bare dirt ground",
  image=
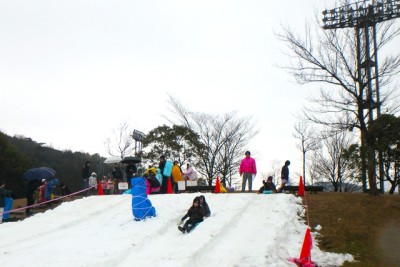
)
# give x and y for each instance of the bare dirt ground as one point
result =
(368, 227)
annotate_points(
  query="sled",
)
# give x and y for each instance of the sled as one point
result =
(168, 168)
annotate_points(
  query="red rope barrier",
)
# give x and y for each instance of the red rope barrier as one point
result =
(48, 201)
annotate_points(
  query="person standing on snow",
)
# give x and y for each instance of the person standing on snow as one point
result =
(247, 169)
(117, 177)
(284, 176)
(161, 166)
(190, 174)
(30, 195)
(3, 194)
(176, 176)
(86, 175)
(92, 184)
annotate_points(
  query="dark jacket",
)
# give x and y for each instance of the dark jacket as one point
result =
(161, 166)
(130, 170)
(117, 173)
(285, 172)
(85, 171)
(154, 183)
(267, 187)
(207, 211)
(195, 214)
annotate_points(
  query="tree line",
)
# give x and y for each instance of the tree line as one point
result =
(19, 154)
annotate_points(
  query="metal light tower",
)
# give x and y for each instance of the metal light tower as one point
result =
(138, 136)
(363, 16)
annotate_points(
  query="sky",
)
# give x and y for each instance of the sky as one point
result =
(100, 231)
(71, 72)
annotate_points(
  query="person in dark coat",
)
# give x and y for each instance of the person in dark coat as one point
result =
(117, 177)
(204, 204)
(30, 195)
(86, 175)
(164, 184)
(267, 186)
(151, 177)
(65, 189)
(195, 215)
(284, 176)
(130, 171)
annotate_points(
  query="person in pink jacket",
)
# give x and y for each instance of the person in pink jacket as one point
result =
(247, 169)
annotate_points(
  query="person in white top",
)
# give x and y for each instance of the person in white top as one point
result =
(190, 174)
(92, 182)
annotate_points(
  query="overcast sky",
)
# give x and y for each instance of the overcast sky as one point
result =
(72, 71)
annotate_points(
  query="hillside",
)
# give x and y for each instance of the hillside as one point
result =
(366, 227)
(244, 230)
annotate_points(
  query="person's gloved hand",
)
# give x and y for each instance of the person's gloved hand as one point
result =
(179, 222)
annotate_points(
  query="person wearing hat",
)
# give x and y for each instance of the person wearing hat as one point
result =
(284, 176)
(268, 186)
(247, 169)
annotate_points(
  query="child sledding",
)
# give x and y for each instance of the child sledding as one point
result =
(195, 216)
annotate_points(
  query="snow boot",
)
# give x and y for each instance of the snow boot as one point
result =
(190, 228)
(182, 229)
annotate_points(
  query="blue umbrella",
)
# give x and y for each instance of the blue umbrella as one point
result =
(39, 173)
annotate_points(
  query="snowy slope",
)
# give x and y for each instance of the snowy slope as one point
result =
(244, 230)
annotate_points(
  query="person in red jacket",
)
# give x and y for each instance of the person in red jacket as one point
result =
(247, 169)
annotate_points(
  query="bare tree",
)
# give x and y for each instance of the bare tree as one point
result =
(308, 142)
(329, 162)
(224, 138)
(314, 175)
(332, 58)
(121, 143)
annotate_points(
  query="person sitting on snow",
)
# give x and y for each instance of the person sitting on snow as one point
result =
(268, 186)
(203, 203)
(152, 184)
(195, 215)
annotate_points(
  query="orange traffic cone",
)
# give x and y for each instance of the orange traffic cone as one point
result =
(305, 255)
(100, 191)
(217, 186)
(306, 249)
(301, 187)
(169, 187)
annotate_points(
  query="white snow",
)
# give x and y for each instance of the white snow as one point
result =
(244, 230)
